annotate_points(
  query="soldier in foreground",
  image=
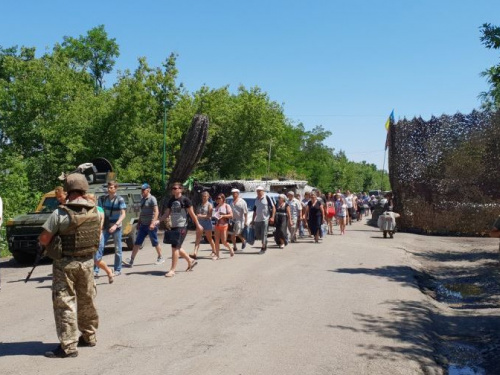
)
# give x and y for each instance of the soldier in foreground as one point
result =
(71, 235)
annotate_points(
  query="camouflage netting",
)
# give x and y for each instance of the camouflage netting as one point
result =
(445, 173)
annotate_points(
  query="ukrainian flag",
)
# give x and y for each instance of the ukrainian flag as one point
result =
(390, 120)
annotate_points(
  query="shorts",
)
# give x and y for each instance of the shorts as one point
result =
(238, 227)
(143, 231)
(206, 224)
(182, 236)
(221, 228)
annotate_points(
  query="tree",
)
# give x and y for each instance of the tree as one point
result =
(95, 52)
(491, 39)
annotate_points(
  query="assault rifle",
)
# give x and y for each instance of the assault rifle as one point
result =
(39, 257)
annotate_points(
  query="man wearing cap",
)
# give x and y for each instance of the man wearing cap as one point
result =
(296, 214)
(264, 211)
(240, 215)
(71, 235)
(147, 226)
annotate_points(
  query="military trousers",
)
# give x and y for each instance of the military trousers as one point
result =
(73, 294)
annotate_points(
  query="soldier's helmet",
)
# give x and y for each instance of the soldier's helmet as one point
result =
(76, 181)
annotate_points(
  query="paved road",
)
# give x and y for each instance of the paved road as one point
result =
(348, 305)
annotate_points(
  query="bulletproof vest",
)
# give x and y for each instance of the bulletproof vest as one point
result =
(82, 235)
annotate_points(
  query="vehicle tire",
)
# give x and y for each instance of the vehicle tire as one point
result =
(131, 237)
(24, 258)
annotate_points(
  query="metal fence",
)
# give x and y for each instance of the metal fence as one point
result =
(445, 173)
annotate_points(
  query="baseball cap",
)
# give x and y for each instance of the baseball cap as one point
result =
(290, 193)
(259, 188)
(145, 186)
(235, 191)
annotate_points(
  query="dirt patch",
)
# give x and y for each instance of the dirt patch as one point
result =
(462, 276)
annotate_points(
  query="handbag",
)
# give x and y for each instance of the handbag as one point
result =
(171, 237)
(249, 234)
(330, 211)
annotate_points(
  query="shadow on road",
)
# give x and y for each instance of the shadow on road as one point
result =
(400, 274)
(33, 348)
(40, 280)
(147, 273)
(408, 324)
(455, 256)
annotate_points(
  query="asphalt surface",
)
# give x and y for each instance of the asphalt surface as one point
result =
(345, 306)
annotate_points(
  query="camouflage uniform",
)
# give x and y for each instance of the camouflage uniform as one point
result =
(73, 286)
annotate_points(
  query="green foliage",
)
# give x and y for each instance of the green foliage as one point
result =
(52, 118)
(491, 39)
(95, 52)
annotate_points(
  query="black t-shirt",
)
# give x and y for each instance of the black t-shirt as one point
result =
(178, 210)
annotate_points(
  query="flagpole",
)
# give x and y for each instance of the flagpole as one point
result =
(383, 170)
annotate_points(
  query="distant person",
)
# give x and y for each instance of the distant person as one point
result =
(178, 208)
(341, 212)
(240, 218)
(295, 215)
(305, 201)
(222, 214)
(349, 200)
(389, 204)
(372, 203)
(300, 223)
(204, 215)
(61, 195)
(98, 261)
(264, 212)
(283, 220)
(147, 226)
(315, 216)
(330, 211)
(114, 213)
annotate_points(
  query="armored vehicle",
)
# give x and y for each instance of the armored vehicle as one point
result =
(23, 230)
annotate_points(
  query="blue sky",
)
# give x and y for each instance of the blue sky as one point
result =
(341, 64)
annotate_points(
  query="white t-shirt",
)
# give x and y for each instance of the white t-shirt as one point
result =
(348, 200)
(239, 208)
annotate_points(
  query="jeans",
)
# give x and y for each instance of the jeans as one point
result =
(117, 238)
(261, 232)
(301, 229)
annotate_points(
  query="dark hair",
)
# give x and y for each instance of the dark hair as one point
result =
(222, 196)
(113, 183)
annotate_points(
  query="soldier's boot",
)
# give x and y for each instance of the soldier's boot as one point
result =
(84, 343)
(60, 353)
(391, 234)
(385, 234)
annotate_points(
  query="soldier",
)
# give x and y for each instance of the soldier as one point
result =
(71, 235)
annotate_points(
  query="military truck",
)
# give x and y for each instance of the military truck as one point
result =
(23, 231)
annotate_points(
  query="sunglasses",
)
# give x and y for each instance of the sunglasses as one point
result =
(176, 188)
